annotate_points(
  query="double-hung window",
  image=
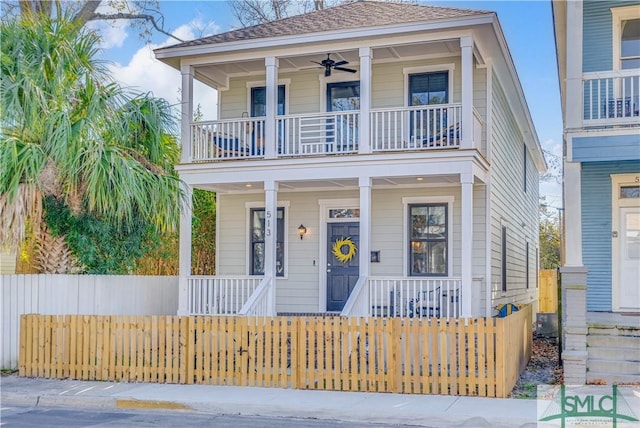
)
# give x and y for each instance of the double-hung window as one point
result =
(428, 125)
(259, 101)
(428, 239)
(257, 225)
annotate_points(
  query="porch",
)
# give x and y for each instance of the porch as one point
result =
(377, 297)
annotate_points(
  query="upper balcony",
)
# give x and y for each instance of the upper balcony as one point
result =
(611, 98)
(416, 128)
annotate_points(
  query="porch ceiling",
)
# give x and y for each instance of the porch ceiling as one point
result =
(339, 184)
(217, 73)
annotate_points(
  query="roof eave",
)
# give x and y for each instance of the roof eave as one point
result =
(170, 55)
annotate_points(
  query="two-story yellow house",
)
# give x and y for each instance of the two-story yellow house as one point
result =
(373, 159)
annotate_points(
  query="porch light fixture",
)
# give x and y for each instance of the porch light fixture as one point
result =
(302, 231)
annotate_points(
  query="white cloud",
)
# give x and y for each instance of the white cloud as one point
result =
(112, 33)
(145, 73)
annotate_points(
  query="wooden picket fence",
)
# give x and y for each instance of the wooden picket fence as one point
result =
(480, 356)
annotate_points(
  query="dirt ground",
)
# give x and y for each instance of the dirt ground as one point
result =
(543, 368)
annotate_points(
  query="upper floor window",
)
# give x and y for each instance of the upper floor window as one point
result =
(626, 37)
(428, 88)
(259, 101)
(630, 44)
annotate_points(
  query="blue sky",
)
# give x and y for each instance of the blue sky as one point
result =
(527, 26)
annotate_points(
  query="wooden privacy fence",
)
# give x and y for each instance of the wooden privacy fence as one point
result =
(548, 291)
(424, 356)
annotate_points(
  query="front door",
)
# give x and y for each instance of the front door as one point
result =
(342, 262)
(629, 260)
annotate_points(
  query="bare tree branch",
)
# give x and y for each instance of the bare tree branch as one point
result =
(87, 12)
(149, 18)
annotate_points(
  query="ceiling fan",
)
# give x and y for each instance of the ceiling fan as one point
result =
(329, 64)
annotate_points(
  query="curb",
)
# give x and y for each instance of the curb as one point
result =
(132, 403)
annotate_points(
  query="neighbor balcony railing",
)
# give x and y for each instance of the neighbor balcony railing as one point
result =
(611, 97)
(220, 295)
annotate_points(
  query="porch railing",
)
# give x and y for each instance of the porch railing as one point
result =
(227, 139)
(318, 133)
(405, 298)
(611, 97)
(417, 127)
(259, 304)
(220, 295)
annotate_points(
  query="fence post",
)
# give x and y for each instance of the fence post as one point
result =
(501, 369)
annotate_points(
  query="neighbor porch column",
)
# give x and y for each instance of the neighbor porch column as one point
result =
(466, 47)
(466, 229)
(184, 266)
(186, 104)
(272, 64)
(270, 238)
(365, 226)
(364, 126)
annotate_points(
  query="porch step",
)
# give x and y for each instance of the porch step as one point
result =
(614, 353)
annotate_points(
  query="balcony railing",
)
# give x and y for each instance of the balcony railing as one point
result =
(332, 133)
(611, 98)
(416, 128)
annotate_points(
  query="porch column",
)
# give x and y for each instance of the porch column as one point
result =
(573, 210)
(270, 241)
(466, 229)
(186, 104)
(272, 64)
(466, 46)
(184, 266)
(366, 55)
(574, 101)
(365, 225)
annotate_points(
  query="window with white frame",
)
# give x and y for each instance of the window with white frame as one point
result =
(428, 239)
(626, 37)
(257, 241)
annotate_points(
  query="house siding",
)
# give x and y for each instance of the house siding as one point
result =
(596, 228)
(299, 290)
(606, 148)
(511, 206)
(304, 92)
(597, 46)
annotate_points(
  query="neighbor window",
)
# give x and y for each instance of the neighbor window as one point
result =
(526, 255)
(258, 241)
(428, 242)
(630, 44)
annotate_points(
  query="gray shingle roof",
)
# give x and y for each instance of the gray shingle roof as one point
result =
(359, 14)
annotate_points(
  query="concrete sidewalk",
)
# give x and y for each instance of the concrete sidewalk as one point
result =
(422, 410)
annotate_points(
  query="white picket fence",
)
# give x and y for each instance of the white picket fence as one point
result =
(79, 294)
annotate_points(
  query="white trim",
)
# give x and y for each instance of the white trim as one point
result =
(618, 15)
(409, 200)
(617, 181)
(448, 67)
(248, 206)
(573, 210)
(325, 205)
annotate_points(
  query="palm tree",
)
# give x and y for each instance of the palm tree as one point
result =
(68, 131)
